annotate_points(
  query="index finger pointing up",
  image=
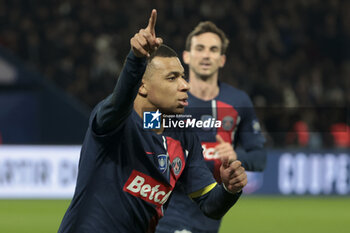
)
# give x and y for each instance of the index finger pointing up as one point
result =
(152, 22)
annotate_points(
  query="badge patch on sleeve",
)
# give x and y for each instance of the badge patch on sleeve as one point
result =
(256, 126)
(163, 162)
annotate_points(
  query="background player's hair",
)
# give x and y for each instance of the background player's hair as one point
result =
(162, 51)
(208, 26)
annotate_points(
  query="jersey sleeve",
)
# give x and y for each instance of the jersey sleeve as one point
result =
(197, 178)
(250, 138)
(114, 109)
(217, 202)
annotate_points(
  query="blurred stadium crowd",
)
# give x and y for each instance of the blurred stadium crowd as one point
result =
(292, 57)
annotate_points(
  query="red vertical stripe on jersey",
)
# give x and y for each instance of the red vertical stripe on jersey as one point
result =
(176, 153)
(224, 112)
(154, 220)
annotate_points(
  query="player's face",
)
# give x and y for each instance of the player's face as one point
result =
(166, 88)
(205, 58)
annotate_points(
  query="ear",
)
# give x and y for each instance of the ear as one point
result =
(222, 61)
(143, 88)
(186, 57)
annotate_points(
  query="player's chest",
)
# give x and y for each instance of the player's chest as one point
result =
(167, 156)
(229, 116)
(154, 180)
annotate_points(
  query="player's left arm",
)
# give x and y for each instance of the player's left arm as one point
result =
(216, 202)
(213, 199)
(250, 139)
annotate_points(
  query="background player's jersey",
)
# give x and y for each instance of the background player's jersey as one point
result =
(239, 126)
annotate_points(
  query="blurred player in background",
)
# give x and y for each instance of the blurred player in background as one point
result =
(127, 173)
(205, 55)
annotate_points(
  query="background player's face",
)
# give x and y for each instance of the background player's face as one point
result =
(205, 58)
(166, 89)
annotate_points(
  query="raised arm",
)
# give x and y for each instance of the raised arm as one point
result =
(117, 107)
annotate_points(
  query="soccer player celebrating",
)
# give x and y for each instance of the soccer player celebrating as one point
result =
(126, 173)
(205, 55)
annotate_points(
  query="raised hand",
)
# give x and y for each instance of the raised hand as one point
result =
(233, 175)
(145, 41)
(225, 149)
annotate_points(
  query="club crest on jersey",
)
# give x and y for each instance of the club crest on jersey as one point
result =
(176, 165)
(163, 162)
(227, 123)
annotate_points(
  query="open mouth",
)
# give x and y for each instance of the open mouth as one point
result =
(183, 102)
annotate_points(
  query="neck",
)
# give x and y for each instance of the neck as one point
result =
(140, 105)
(204, 89)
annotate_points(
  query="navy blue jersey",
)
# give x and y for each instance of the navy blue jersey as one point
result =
(126, 175)
(239, 127)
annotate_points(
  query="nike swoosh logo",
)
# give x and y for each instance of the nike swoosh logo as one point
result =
(149, 153)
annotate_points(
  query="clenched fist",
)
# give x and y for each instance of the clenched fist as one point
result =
(233, 175)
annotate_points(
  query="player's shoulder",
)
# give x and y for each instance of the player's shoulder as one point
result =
(228, 92)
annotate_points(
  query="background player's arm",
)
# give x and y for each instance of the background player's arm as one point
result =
(225, 148)
(253, 159)
(117, 106)
(251, 150)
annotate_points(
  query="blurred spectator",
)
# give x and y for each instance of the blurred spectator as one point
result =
(287, 54)
(300, 134)
(341, 135)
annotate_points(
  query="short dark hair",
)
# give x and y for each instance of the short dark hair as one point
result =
(208, 26)
(162, 51)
